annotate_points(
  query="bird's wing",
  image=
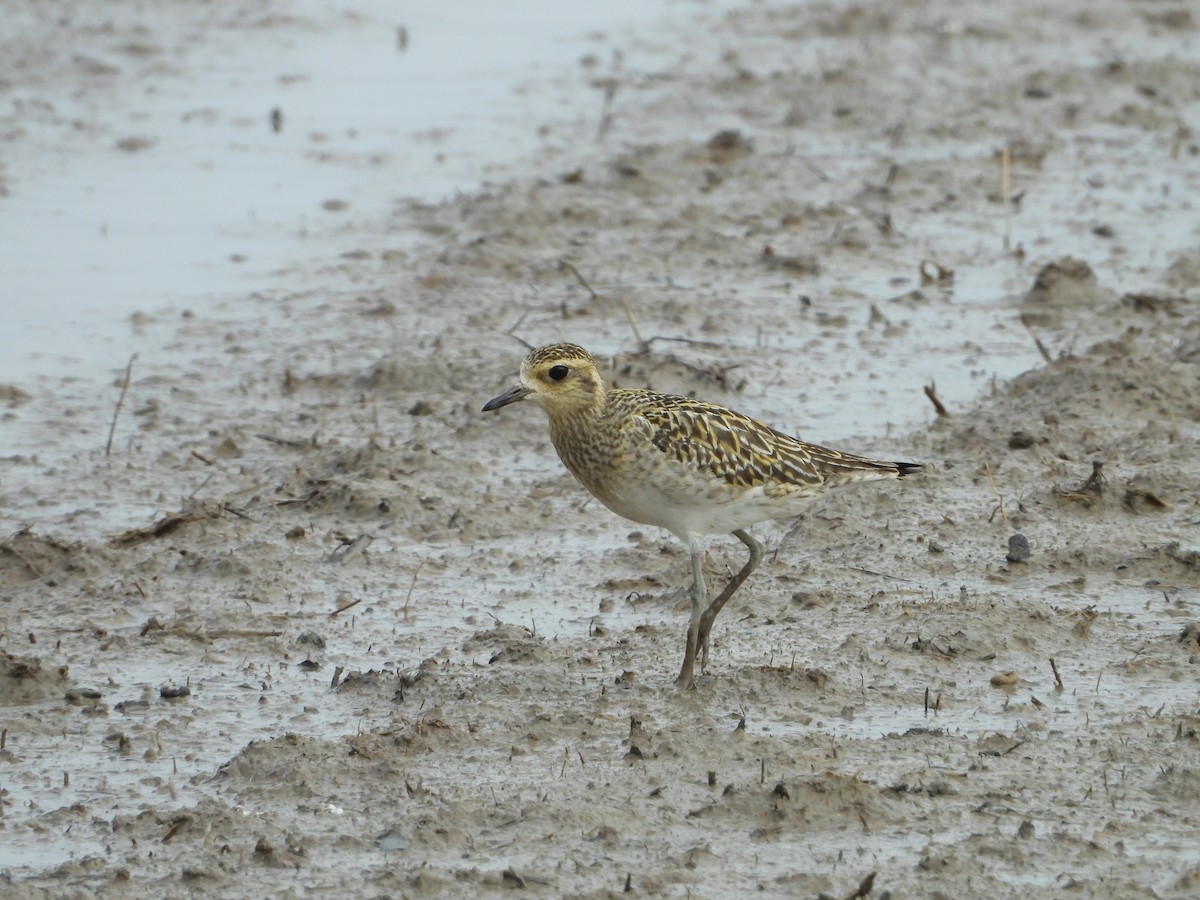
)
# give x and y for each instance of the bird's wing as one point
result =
(746, 453)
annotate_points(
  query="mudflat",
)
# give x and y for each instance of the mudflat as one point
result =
(309, 622)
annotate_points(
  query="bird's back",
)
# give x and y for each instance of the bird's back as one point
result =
(696, 467)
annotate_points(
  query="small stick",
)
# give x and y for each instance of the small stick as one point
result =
(200, 456)
(337, 673)
(610, 91)
(175, 828)
(931, 393)
(408, 596)
(927, 703)
(219, 633)
(995, 490)
(1006, 194)
(865, 886)
(8, 545)
(200, 486)
(643, 346)
(583, 281)
(1037, 342)
(350, 549)
(342, 609)
(1058, 685)
(120, 402)
(283, 442)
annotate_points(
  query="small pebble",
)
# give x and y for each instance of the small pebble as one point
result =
(1018, 549)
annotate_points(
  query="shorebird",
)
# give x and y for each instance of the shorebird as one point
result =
(690, 467)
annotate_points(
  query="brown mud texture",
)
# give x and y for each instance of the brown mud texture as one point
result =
(316, 625)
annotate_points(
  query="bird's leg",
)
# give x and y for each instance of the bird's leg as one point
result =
(710, 614)
(699, 596)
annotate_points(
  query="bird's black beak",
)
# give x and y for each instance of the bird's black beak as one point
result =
(512, 395)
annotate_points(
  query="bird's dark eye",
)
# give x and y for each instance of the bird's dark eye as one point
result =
(558, 373)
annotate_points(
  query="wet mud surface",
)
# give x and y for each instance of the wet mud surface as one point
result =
(314, 623)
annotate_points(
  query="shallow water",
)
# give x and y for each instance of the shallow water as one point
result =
(217, 203)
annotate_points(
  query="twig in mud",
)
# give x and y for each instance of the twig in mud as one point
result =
(412, 585)
(1006, 194)
(165, 526)
(610, 86)
(708, 345)
(995, 490)
(337, 673)
(864, 887)
(877, 574)
(350, 549)
(120, 402)
(200, 486)
(8, 545)
(175, 828)
(1058, 684)
(283, 442)
(342, 609)
(717, 374)
(643, 347)
(938, 407)
(204, 459)
(512, 331)
(583, 281)
(1037, 342)
(217, 633)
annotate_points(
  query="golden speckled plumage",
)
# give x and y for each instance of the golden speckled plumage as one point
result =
(688, 466)
(740, 451)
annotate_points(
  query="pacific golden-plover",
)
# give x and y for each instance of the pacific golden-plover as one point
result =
(687, 466)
